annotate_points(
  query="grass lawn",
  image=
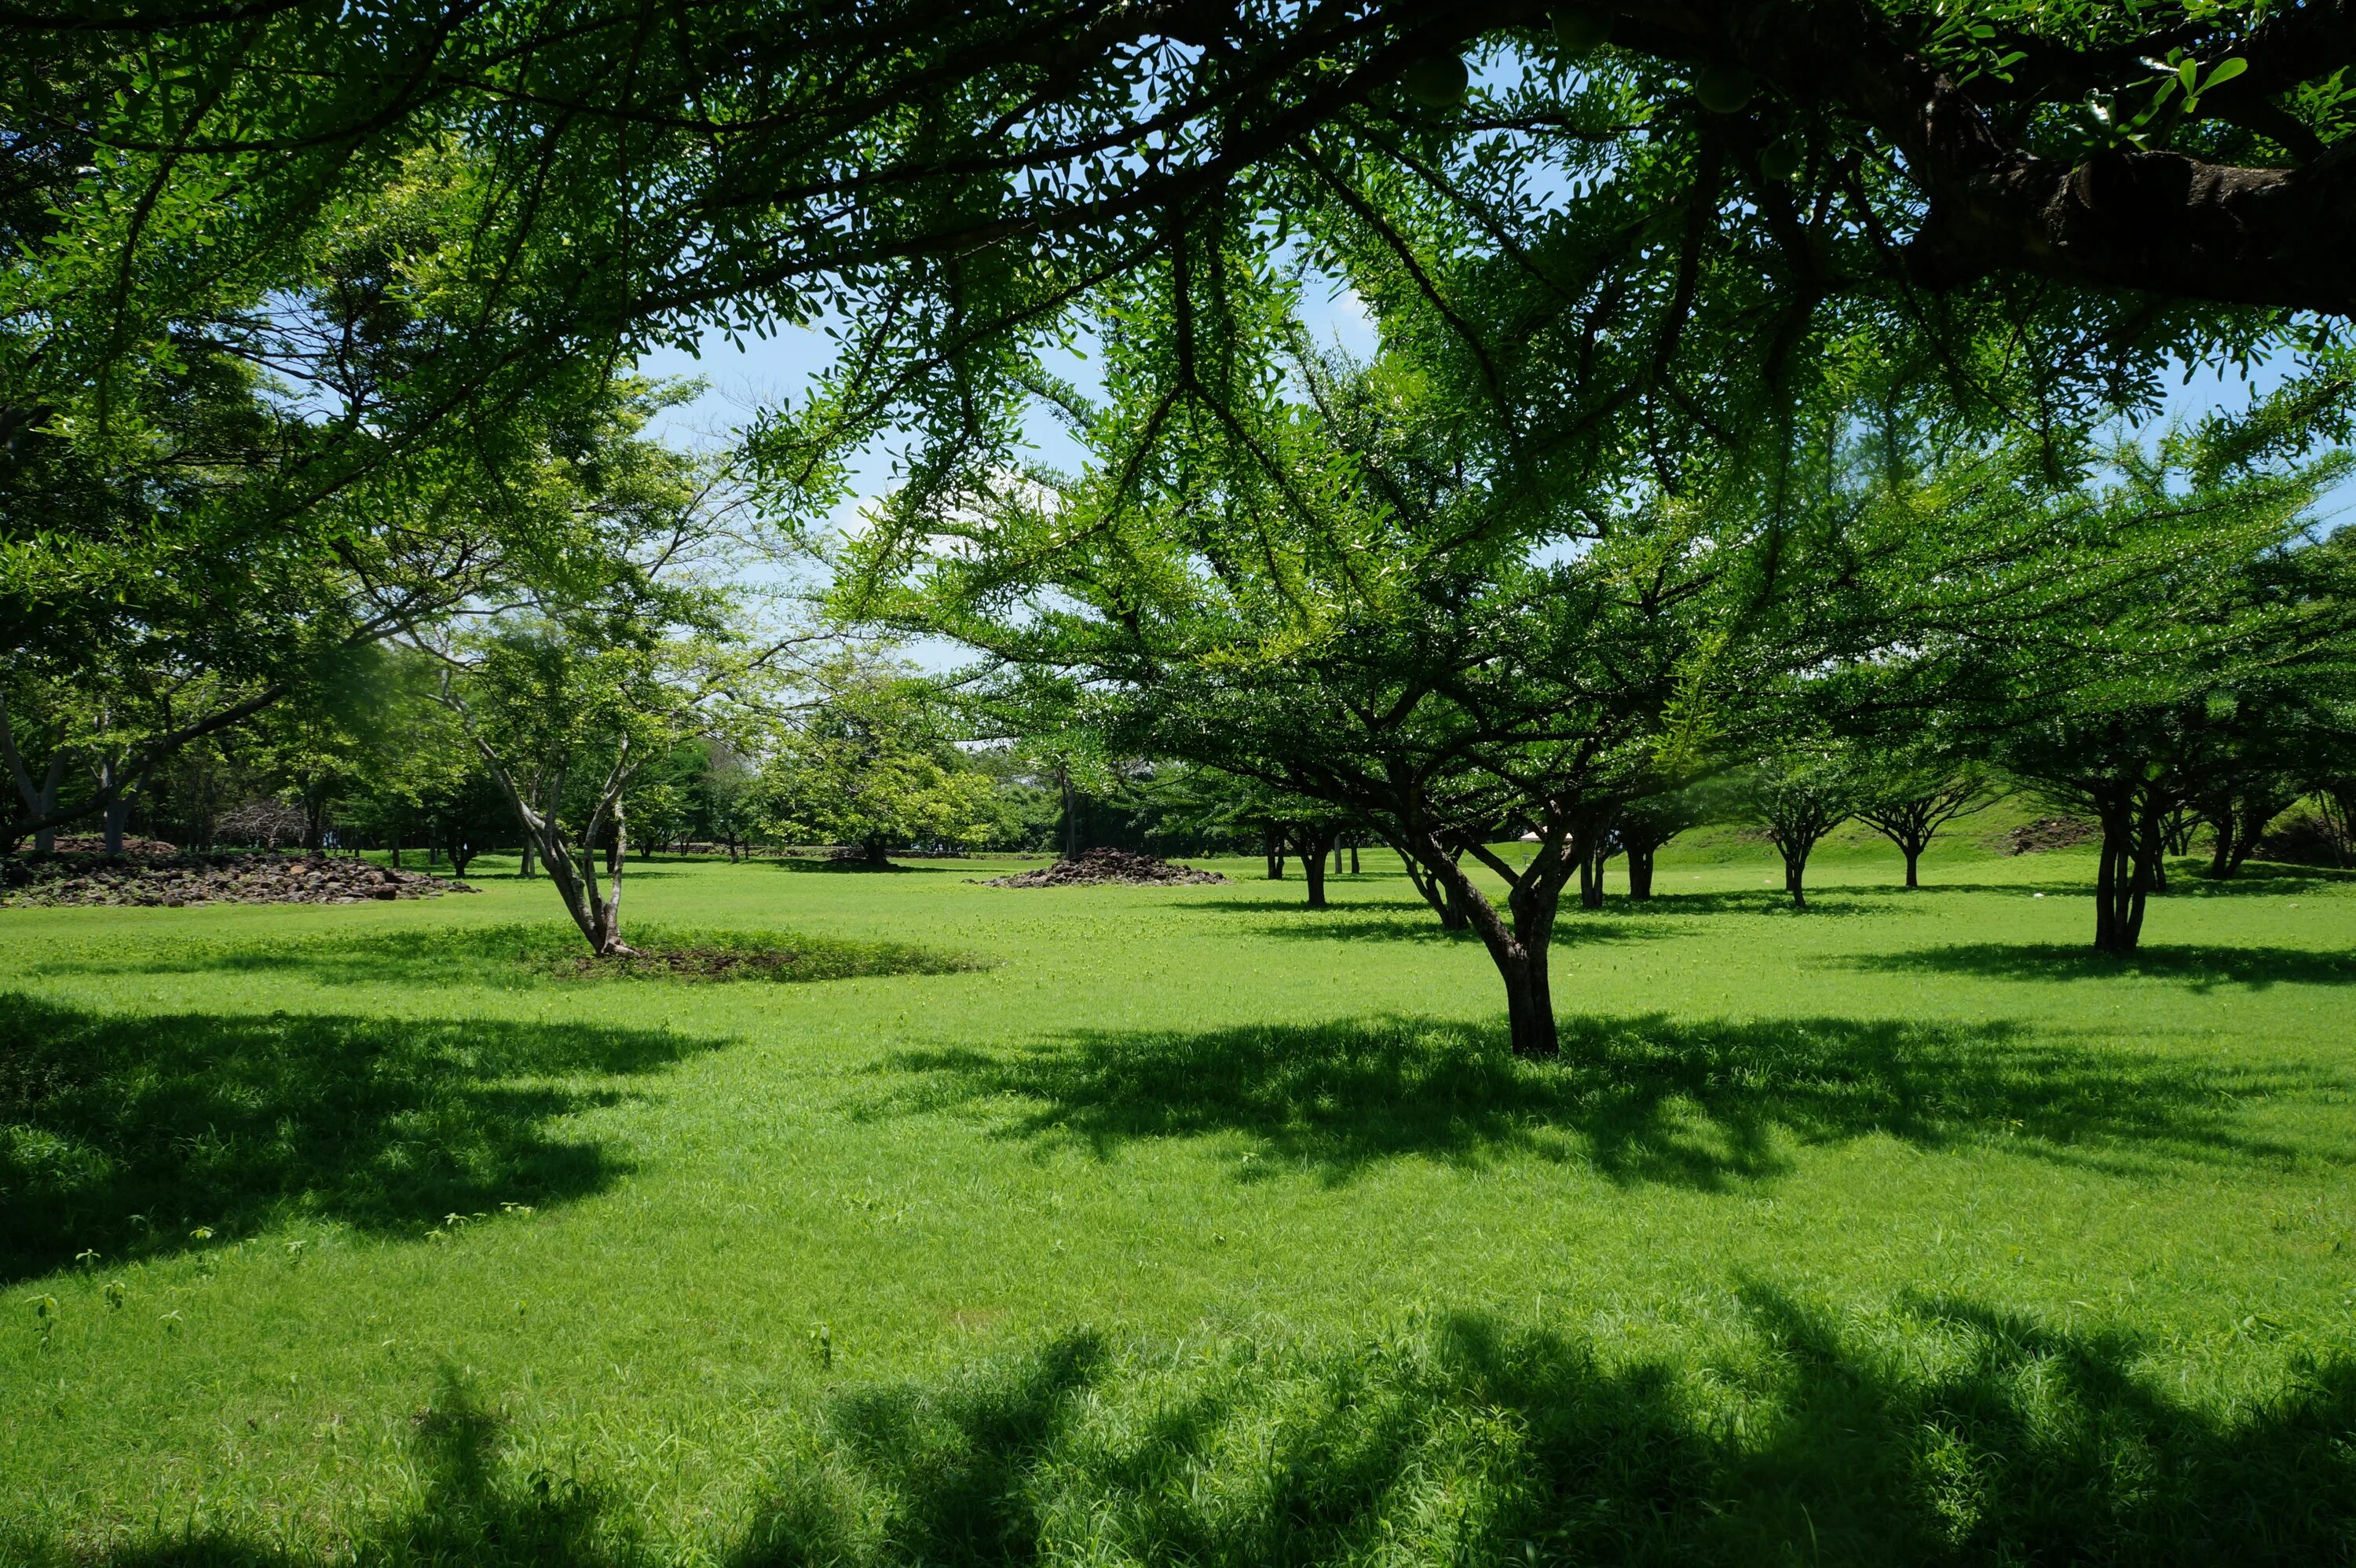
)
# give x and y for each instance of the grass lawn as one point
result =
(1185, 1225)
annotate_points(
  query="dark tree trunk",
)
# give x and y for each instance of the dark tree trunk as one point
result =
(1640, 874)
(524, 867)
(2223, 859)
(1517, 940)
(1312, 845)
(1071, 814)
(117, 811)
(45, 801)
(1913, 851)
(1529, 1004)
(876, 855)
(1795, 875)
(2121, 881)
(1590, 879)
(1273, 846)
(1353, 854)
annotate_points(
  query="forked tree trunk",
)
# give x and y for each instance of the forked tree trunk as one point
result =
(1795, 875)
(1517, 941)
(1640, 874)
(2123, 879)
(571, 868)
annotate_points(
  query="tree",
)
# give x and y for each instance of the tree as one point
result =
(1909, 797)
(1647, 823)
(2112, 709)
(633, 651)
(871, 764)
(1799, 798)
(1392, 637)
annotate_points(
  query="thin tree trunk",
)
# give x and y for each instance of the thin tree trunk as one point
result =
(1353, 854)
(1913, 862)
(1795, 875)
(1640, 874)
(1071, 812)
(1273, 846)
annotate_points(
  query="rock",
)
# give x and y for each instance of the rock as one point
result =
(185, 880)
(1096, 866)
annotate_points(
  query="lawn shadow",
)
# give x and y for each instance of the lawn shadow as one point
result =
(2256, 878)
(123, 1132)
(2201, 967)
(1980, 1437)
(1649, 1099)
(478, 1508)
(520, 954)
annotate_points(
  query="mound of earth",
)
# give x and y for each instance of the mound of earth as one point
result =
(2050, 832)
(149, 849)
(177, 881)
(1095, 866)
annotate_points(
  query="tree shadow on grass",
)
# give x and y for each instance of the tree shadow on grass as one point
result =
(520, 954)
(1648, 1099)
(1943, 1431)
(1470, 1440)
(2202, 968)
(478, 1508)
(123, 1132)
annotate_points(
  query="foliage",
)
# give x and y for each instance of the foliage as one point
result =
(873, 764)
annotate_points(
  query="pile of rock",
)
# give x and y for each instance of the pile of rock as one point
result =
(181, 881)
(1096, 866)
(2050, 832)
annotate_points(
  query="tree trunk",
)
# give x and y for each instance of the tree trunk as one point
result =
(877, 855)
(1071, 812)
(2123, 879)
(1518, 949)
(1271, 844)
(1913, 863)
(45, 803)
(1353, 854)
(1312, 846)
(1529, 1005)
(525, 868)
(2222, 861)
(1795, 873)
(117, 810)
(1640, 874)
(1590, 881)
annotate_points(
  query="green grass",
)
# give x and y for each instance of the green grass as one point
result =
(1185, 1225)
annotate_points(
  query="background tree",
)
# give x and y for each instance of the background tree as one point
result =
(873, 764)
(1909, 796)
(1798, 797)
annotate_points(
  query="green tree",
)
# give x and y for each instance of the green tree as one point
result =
(873, 764)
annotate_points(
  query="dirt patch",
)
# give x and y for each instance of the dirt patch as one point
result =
(1094, 866)
(174, 881)
(2047, 833)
